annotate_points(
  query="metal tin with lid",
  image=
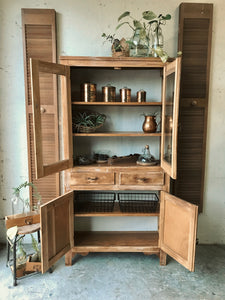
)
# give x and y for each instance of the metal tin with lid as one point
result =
(125, 94)
(109, 93)
(88, 92)
(141, 96)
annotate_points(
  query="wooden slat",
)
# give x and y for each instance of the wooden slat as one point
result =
(39, 41)
(195, 34)
(116, 242)
(190, 155)
(97, 103)
(117, 213)
(117, 133)
(124, 62)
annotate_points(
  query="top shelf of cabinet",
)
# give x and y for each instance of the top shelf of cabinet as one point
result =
(111, 62)
(97, 103)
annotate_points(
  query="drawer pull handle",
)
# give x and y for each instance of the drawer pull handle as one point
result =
(29, 221)
(92, 178)
(141, 179)
(194, 103)
(42, 109)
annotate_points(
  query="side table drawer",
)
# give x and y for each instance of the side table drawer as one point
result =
(92, 178)
(153, 178)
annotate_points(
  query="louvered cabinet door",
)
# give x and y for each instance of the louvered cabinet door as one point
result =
(39, 42)
(195, 31)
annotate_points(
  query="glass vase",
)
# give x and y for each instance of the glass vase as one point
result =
(157, 41)
(139, 44)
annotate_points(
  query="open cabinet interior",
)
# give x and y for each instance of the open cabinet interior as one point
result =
(117, 187)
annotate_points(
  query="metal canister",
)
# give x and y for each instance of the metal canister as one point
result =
(109, 93)
(141, 96)
(125, 95)
(88, 92)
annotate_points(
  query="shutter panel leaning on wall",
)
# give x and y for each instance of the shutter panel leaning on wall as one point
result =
(39, 41)
(195, 32)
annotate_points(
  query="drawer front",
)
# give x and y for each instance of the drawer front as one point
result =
(92, 178)
(150, 178)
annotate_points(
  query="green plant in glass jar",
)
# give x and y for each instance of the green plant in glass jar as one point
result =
(147, 38)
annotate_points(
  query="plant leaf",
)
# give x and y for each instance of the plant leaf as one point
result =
(148, 15)
(125, 14)
(137, 24)
(118, 26)
(142, 33)
(151, 22)
(167, 17)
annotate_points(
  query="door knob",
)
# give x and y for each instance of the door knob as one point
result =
(42, 109)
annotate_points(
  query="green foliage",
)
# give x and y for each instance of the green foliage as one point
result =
(113, 40)
(17, 190)
(147, 15)
(36, 248)
(125, 14)
(89, 119)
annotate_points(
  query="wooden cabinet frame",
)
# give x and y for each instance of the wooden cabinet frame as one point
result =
(147, 242)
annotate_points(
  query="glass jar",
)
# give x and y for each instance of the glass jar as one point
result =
(157, 40)
(18, 206)
(139, 45)
(146, 158)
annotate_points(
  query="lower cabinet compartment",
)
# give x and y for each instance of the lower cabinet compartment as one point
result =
(87, 203)
(117, 241)
(138, 202)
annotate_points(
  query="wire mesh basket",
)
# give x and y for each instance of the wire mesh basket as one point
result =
(88, 202)
(138, 202)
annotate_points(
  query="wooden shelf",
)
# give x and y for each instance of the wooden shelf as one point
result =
(118, 133)
(116, 213)
(117, 241)
(155, 103)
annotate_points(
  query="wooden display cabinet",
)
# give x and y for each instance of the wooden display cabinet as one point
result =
(177, 219)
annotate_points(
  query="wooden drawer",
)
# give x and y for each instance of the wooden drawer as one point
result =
(149, 178)
(22, 219)
(92, 178)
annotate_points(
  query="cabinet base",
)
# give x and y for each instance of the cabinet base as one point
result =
(144, 241)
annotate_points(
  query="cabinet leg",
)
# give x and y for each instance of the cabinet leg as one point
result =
(14, 261)
(8, 252)
(162, 258)
(68, 258)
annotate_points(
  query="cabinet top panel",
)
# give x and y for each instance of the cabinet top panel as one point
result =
(129, 62)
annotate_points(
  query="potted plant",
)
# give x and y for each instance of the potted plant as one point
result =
(88, 121)
(33, 263)
(19, 204)
(119, 48)
(144, 30)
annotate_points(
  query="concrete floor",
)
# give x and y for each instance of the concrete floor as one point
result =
(124, 276)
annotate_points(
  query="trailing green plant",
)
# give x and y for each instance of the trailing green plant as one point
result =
(37, 255)
(114, 41)
(17, 195)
